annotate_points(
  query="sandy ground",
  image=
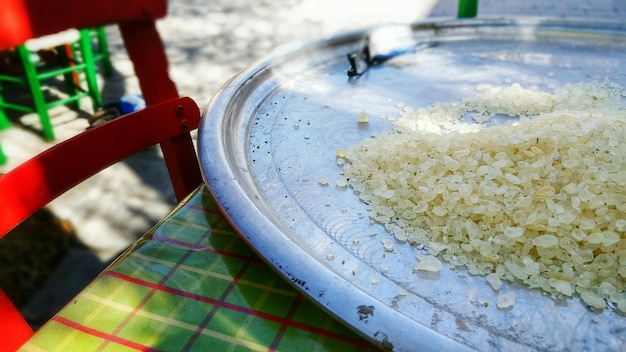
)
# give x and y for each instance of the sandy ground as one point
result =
(207, 43)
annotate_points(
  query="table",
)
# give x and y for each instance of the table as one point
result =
(192, 284)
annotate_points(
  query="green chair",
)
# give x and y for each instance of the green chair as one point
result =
(72, 65)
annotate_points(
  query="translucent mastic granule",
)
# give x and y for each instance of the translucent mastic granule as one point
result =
(538, 199)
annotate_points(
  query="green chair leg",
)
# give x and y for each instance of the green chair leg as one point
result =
(103, 51)
(4, 119)
(90, 68)
(37, 92)
(71, 79)
(468, 8)
(3, 157)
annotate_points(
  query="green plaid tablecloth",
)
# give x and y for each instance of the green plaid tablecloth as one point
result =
(192, 284)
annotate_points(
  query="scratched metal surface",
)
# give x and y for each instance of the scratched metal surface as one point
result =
(269, 135)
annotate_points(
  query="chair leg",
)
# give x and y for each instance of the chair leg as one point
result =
(36, 91)
(15, 329)
(467, 8)
(3, 157)
(103, 51)
(90, 68)
(67, 55)
(4, 119)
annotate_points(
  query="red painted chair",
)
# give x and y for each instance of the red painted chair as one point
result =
(167, 120)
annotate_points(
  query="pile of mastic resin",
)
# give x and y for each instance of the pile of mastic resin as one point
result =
(538, 199)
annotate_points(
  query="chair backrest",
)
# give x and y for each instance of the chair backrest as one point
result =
(34, 183)
(166, 120)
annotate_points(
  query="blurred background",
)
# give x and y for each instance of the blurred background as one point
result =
(207, 42)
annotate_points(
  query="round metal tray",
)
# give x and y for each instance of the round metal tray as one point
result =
(269, 136)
